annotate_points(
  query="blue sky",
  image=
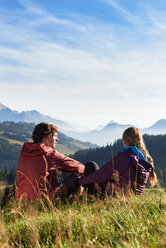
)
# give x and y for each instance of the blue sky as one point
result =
(85, 62)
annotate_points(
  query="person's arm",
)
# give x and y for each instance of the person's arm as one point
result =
(66, 164)
(104, 174)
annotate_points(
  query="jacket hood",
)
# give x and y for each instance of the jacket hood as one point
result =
(32, 149)
(141, 165)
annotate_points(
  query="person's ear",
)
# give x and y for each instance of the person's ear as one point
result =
(124, 143)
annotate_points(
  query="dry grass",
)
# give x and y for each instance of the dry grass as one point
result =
(3, 184)
(125, 222)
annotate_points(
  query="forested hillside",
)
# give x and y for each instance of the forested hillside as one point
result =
(156, 146)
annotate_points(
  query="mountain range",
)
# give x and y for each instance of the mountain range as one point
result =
(32, 116)
(113, 131)
(100, 136)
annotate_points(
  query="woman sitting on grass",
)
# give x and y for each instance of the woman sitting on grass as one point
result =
(127, 172)
(38, 165)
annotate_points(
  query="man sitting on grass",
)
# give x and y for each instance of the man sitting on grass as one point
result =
(38, 165)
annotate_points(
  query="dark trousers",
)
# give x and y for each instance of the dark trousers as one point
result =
(90, 167)
(70, 183)
(68, 186)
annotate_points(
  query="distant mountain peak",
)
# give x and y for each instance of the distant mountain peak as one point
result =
(161, 121)
(33, 112)
(32, 116)
(2, 106)
(159, 124)
(111, 122)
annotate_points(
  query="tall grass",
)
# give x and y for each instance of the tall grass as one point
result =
(87, 222)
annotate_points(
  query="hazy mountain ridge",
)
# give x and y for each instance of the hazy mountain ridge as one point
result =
(6, 114)
(107, 134)
(113, 131)
(104, 134)
(157, 128)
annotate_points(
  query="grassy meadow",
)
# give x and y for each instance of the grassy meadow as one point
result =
(128, 221)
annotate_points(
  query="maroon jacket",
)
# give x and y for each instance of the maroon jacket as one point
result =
(36, 171)
(125, 171)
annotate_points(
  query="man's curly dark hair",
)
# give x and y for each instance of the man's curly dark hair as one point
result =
(42, 130)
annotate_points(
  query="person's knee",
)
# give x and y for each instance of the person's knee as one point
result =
(90, 167)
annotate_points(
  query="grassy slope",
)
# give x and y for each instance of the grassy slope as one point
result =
(64, 150)
(11, 141)
(125, 222)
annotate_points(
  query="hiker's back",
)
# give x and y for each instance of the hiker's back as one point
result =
(31, 172)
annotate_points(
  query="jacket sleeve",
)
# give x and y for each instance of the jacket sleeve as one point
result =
(66, 164)
(104, 174)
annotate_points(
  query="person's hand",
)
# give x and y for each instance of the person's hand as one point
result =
(79, 191)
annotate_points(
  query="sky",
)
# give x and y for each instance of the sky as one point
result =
(86, 62)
